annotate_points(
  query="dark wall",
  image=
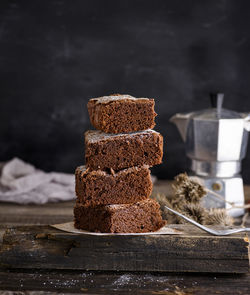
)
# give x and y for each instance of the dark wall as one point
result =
(55, 55)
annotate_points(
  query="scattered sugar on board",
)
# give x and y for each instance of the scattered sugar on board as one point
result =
(123, 280)
(127, 279)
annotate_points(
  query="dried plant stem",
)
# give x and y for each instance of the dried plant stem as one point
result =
(239, 207)
(220, 197)
(225, 201)
(244, 219)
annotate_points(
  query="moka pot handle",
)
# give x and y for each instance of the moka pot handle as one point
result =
(247, 122)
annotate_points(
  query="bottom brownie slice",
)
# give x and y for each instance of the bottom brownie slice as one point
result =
(140, 217)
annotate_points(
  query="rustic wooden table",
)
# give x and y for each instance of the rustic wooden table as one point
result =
(89, 282)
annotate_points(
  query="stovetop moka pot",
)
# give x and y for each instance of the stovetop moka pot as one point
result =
(216, 142)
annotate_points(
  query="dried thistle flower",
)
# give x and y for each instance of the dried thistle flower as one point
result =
(187, 196)
(195, 212)
(217, 216)
(188, 189)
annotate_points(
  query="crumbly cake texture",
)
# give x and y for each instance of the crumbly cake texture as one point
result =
(99, 187)
(140, 217)
(119, 151)
(121, 113)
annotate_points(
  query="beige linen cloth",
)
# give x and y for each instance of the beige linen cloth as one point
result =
(22, 183)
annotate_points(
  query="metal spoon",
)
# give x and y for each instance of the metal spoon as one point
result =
(221, 232)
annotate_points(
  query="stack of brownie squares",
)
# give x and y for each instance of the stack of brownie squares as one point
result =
(113, 189)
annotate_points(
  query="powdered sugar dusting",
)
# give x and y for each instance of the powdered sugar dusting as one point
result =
(131, 169)
(82, 169)
(122, 206)
(107, 99)
(93, 136)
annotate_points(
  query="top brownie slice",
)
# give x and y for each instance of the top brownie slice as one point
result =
(121, 113)
(123, 150)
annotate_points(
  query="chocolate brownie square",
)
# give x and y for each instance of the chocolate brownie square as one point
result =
(121, 113)
(119, 151)
(140, 217)
(99, 187)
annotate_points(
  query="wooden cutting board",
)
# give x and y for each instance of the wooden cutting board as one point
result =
(45, 247)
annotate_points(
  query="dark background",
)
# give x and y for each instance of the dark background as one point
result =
(55, 55)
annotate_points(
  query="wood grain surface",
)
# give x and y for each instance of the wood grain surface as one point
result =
(70, 282)
(97, 282)
(43, 247)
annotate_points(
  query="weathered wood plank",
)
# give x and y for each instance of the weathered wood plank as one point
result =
(123, 283)
(50, 213)
(194, 251)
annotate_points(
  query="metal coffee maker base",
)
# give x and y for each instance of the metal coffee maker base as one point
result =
(231, 189)
(216, 143)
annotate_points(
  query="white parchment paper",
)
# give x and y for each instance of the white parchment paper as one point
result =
(69, 227)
